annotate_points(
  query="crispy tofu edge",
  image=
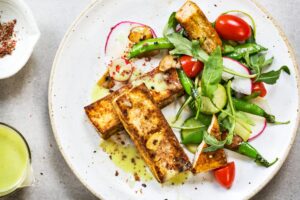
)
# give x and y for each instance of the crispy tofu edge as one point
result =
(104, 132)
(90, 111)
(206, 161)
(207, 34)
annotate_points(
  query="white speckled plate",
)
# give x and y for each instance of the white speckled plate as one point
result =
(27, 35)
(77, 67)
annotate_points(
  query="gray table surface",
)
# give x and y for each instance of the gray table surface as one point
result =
(23, 104)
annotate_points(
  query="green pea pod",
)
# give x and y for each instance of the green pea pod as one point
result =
(252, 109)
(186, 82)
(149, 45)
(251, 96)
(246, 149)
(241, 50)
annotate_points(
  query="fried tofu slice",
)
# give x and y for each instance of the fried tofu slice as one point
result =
(197, 26)
(164, 87)
(151, 133)
(206, 161)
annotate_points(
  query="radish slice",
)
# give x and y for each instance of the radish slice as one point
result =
(178, 28)
(258, 128)
(117, 39)
(120, 69)
(239, 84)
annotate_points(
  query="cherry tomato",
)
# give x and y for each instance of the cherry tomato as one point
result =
(225, 175)
(191, 66)
(259, 87)
(231, 27)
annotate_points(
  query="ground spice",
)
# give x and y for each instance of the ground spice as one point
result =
(7, 38)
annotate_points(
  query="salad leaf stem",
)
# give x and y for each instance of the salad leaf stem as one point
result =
(238, 74)
(231, 120)
(186, 127)
(187, 101)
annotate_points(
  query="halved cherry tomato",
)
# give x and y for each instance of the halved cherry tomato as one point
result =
(225, 175)
(259, 87)
(191, 66)
(231, 27)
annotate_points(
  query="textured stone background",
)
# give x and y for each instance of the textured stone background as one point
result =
(23, 104)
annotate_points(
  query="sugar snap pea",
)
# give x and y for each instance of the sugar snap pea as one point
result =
(149, 45)
(248, 150)
(241, 50)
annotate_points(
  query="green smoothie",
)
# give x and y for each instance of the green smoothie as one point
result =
(14, 159)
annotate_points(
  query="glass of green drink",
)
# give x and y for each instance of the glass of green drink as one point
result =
(15, 160)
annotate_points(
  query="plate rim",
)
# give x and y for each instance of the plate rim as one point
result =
(61, 48)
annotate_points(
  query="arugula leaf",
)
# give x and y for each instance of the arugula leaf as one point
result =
(171, 25)
(272, 76)
(213, 142)
(260, 59)
(182, 45)
(198, 52)
(212, 73)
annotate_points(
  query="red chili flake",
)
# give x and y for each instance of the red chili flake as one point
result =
(118, 67)
(7, 41)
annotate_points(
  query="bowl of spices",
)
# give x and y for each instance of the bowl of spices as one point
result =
(15, 161)
(19, 34)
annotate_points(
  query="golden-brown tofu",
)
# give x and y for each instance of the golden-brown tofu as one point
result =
(206, 161)
(151, 133)
(169, 62)
(140, 33)
(197, 26)
(164, 88)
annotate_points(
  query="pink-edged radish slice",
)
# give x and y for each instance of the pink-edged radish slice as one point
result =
(117, 41)
(239, 84)
(258, 128)
(120, 69)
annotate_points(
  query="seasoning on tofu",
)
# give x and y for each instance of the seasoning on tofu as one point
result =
(151, 133)
(197, 26)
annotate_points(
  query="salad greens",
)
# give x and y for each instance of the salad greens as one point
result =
(212, 73)
(213, 142)
(202, 90)
(272, 76)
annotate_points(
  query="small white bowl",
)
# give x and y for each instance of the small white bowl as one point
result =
(27, 35)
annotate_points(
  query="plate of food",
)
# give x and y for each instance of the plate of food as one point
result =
(174, 99)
